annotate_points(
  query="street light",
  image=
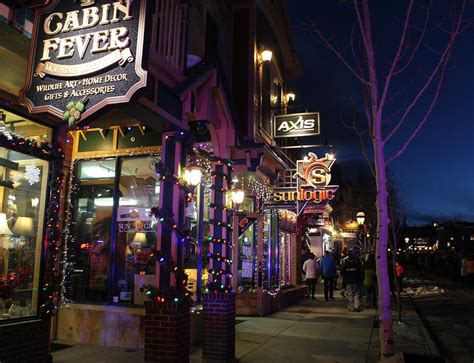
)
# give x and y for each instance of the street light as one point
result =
(360, 216)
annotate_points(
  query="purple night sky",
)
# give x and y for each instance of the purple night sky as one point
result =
(435, 175)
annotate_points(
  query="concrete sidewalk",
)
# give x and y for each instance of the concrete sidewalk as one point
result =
(311, 331)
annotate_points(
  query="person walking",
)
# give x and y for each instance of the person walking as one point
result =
(463, 272)
(352, 274)
(311, 271)
(328, 273)
(399, 271)
(370, 279)
(470, 270)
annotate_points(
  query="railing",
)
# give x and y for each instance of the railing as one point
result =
(171, 29)
(287, 181)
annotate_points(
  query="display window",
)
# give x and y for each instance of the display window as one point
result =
(285, 258)
(270, 249)
(113, 236)
(23, 199)
(247, 262)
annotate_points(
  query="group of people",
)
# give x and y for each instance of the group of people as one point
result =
(456, 265)
(354, 273)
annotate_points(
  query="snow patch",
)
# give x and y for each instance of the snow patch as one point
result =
(424, 290)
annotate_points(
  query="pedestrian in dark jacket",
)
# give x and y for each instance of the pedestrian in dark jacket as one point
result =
(352, 273)
(370, 282)
(328, 272)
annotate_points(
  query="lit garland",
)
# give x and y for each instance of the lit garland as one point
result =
(221, 224)
(255, 186)
(49, 292)
(166, 218)
(165, 174)
(164, 294)
(211, 157)
(220, 258)
(52, 279)
(218, 206)
(213, 285)
(220, 241)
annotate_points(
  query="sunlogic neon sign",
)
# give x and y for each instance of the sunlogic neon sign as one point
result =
(314, 176)
(296, 124)
(87, 52)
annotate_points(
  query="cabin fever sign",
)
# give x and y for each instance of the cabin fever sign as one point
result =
(296, 124)
(85, 55)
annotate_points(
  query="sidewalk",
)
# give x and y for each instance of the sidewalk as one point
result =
(311, 331)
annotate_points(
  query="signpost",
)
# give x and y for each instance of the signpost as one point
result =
(296, 124)
(85, 56)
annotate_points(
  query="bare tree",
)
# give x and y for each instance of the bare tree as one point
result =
(379, 87)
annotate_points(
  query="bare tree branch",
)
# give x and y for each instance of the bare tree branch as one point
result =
(442, 60)
(364, 24)
(317, 34)
(360, 134)
(420, 125)
(418, 43)
(396, 58)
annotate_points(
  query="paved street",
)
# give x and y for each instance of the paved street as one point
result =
(450, 320)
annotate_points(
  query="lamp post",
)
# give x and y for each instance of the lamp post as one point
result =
(193, 176)
(360, 217)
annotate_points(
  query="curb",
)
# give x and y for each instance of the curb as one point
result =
(422, 326)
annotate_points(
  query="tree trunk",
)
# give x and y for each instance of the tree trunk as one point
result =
(385, 312)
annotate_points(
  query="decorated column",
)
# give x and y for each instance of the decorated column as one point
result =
(219, 300)
(167, 321)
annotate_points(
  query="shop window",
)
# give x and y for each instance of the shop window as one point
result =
(191, 255)
(23, 194)
(285, 258)
(13, 124)
(96, 141)
(113, 230)
(92, 229)
(270, 250)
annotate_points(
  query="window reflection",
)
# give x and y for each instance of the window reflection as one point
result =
(139, 190)
(22, 206)
(114, 231)
(92, 229)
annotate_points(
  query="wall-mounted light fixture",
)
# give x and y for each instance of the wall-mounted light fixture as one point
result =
(193, 174)
(266, 55)
(290, 96)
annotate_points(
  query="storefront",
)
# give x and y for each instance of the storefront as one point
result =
(24, 195)
(265, 249)
(31, 183)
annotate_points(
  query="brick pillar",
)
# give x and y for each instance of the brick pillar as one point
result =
(218, 329)
(167, 329)
(170, 199)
